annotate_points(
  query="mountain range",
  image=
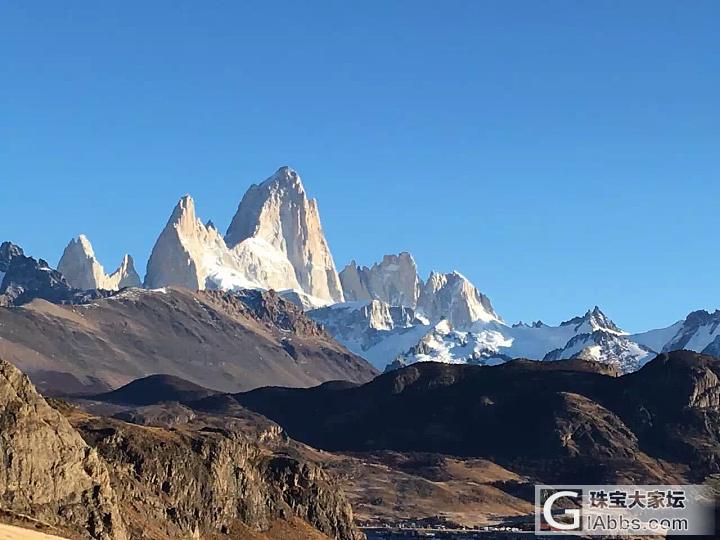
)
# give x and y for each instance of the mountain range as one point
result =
(235, 390)
(468, 443)
(385, 313)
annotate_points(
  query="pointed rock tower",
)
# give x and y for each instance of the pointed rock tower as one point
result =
(452, 297)
(180, 252)
(394, 281)
(83, 271)
(279, 213)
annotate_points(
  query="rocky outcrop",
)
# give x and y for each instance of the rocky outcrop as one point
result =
(278, 212)
(104, 479)
(83, 271)
(8, 251)
(204, 480)
(268, 308)
(394, 281)
(26, 278)
(453, 297)
(48, 472)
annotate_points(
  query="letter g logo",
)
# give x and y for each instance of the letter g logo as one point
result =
(547, 512)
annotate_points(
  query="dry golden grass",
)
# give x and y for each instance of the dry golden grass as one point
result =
(8, 532)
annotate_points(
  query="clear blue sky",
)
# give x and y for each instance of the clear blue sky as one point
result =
(560, 154)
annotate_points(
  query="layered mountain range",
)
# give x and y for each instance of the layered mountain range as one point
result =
(190, 385)
(385, 313)
(558, 422)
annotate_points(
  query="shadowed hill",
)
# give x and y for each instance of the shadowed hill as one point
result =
(650, 425)
(154, 389)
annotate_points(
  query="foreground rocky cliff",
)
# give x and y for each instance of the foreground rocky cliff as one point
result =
(48, 472)
(204, 479)
(109, 480)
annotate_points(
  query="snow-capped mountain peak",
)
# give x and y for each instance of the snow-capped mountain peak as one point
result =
(278, 212)
(285, 178)
(193, 255)
(452, 297)
(699, 331)
(605, 346)
(594, 319)
(275, 241)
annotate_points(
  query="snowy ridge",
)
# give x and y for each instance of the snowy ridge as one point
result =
(699, 331)
(372, 329)
(453, 322)
(494, 341)
(607, 347)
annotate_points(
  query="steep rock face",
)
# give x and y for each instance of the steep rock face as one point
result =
(263, 265)
(279, 212)
(26, 278)
(8, 251)
(393, 281)
(180, 253)
(83, 271)
(583, 428)
(48, 471)
(453, 297)
(193, 255)
(205, 480)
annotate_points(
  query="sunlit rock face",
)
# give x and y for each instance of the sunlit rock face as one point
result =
(279, 213)
(83, 271)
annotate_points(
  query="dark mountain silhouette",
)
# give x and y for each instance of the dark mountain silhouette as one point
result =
(154, 389)
(542, 418)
